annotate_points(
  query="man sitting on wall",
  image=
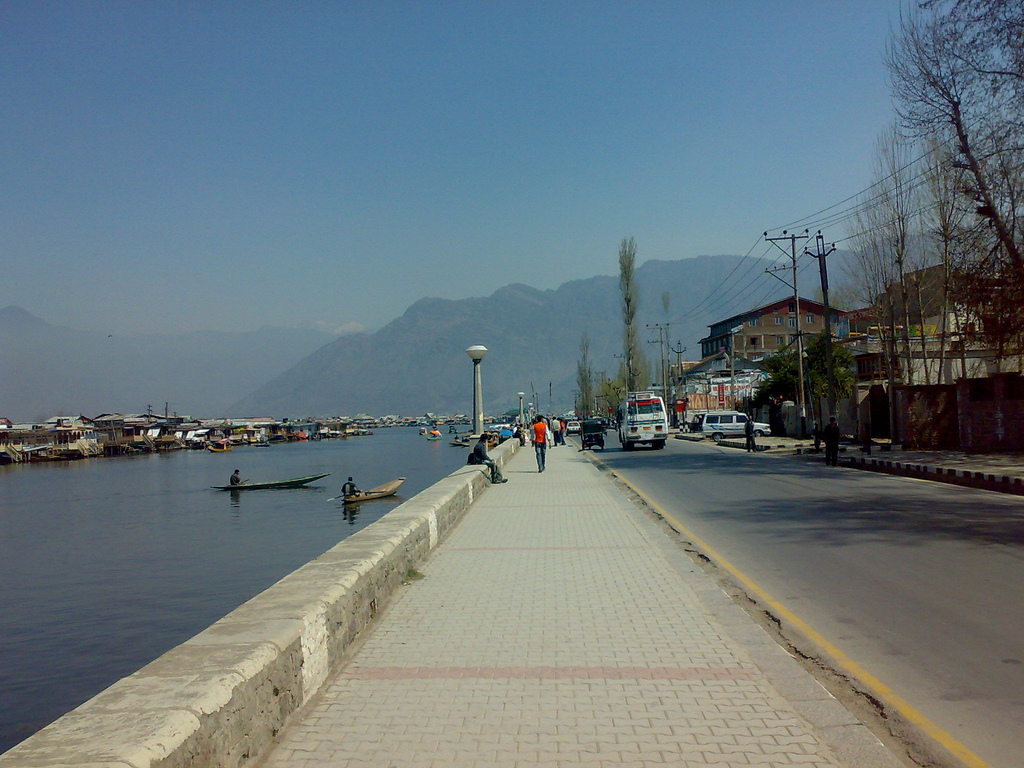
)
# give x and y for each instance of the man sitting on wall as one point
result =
(479, 456)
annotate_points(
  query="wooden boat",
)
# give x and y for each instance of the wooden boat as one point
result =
(219, 447)
(295, 482)
(388, 489)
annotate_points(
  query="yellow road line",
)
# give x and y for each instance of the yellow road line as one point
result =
(876, 687)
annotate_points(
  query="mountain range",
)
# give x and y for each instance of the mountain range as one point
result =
(415, 364)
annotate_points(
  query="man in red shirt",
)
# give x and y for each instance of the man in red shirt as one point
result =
(540, 441)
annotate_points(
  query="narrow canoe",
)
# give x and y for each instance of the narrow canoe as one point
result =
(388, 489)
(295, 482)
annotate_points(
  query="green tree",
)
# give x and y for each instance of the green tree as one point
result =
(817, 372)
(782, 381)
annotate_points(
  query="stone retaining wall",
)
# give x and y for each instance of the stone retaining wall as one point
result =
(218, 699)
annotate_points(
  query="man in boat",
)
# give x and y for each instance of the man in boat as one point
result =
(479, 456)
(349, 489)
(236, 479)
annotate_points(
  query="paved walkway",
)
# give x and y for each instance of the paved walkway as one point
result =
(559, 626)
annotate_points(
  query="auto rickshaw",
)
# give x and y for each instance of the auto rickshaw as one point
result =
(592, 433)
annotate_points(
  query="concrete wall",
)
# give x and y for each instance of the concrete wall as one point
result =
(220, 698)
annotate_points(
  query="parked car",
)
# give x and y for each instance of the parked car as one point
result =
(572, 428)
(720, 424)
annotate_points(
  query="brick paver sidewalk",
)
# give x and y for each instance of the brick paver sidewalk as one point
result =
(559, 626)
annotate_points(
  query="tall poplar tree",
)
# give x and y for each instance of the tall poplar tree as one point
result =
(635, 361)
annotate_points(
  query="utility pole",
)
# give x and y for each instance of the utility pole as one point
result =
(819, 243)
(796, 306)
(661, 351)
(678, 380)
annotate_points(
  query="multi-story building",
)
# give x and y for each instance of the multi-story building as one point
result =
(761, 332)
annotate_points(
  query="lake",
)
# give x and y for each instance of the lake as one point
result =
(107, 563)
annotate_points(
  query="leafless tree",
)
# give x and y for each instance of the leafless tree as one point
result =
(957, 68)
(941, 84)
(944, 218)
(585, 379)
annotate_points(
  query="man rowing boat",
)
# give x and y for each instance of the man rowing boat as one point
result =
(349, 489)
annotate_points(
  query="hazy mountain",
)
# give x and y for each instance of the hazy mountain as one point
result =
(417, 363)
(47, 370)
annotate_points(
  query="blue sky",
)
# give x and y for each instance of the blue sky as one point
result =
(173, 166)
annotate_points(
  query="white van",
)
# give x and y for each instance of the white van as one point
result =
(642, 419)
(719, 424)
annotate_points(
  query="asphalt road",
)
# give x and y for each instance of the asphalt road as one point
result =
(920, 584)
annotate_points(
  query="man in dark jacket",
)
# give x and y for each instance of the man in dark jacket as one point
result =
(479, 456)
(830, 436)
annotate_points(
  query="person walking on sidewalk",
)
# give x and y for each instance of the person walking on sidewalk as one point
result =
(748, 430)
(540, 442)
(830, 435)
(556, 431)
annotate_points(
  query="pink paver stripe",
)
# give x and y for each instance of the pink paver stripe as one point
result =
(534, 549)
(547, 673)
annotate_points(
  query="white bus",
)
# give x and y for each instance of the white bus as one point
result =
(642, 419)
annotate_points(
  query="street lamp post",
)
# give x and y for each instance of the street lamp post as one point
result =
(476, 353)
(522, 422)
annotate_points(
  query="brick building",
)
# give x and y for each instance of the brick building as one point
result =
(768, 329)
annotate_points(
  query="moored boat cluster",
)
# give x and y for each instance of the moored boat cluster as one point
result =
(64, 438)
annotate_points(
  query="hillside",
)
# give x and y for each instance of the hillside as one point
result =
(50, 370)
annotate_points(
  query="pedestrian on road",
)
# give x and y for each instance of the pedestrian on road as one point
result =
(830, 435)
(748, 430)
(540, 442)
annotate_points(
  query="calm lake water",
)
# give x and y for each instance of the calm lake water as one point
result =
(107, 563)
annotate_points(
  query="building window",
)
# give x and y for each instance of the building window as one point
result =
(778, 320)
(792, 322)
(753, 341)
(754, 322)
(810, 320)
(792, 307)
(780, 341)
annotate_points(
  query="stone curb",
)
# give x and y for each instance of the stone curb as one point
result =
(965, 477)
(221, 697)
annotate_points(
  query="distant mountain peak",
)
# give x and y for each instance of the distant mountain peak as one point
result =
(15, 317)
